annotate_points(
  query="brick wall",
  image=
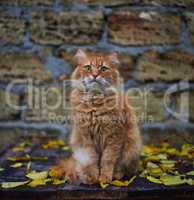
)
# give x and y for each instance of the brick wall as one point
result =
(155, 40)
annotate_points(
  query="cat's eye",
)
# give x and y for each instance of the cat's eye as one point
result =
(104, 68)
(88, 67)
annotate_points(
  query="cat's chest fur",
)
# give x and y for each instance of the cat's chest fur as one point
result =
(97, 119)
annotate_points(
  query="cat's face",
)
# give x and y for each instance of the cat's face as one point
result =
(96, 70)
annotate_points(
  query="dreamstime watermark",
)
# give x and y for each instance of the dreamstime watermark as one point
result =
(52, 103)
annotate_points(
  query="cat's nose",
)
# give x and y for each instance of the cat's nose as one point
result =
(95, 75)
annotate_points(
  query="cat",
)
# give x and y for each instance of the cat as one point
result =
(105, 138)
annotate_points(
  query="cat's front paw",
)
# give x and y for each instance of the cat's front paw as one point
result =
(89, 175)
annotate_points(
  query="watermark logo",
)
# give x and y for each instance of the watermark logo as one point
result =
(52, 102)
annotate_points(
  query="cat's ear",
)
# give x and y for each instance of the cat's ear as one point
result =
(80, 56)
(113, 57)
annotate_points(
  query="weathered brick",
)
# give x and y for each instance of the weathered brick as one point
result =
(21, 66)
(143, 28)
(102, 2)
(190, 20)
(66, 27)
(126, 63)
(171, 134)
(11, 29)
(149, 105)
(191, 106)
(47, 104)
(8, 102)
(184, 3)
(27, 2)
(171, 66)
(185, 105)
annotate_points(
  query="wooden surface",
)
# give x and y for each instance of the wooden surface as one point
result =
(140, 188)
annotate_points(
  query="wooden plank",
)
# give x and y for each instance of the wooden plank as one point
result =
(139, 190)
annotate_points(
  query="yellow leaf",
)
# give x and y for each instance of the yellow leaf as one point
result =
(189, 181)
(54, 144)
(149, 150)
(25, 144)
(58, 181)
(37, 175)
(13, 184)
(120, 183)
(66, 148)
(123, 183)
(29, 165)
(16, 165)
(168, 161)
(18, 149)
(103, 184)
(40, 158)
(191, 173)
(153, 169)
(1, 169)
(157, 157)
(17, 159)
(153, 179)
(172, 151)
(39, 182)
(54, 173)
(172, 180)
(167, 166)
(187, 150)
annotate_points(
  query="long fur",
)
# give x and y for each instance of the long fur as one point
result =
(105, 138)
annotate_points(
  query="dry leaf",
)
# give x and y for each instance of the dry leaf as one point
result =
(37, 175)
(29, 166)
(123, 183)
(58, 181)
(16, 165)
(13, 184)
(66, 148)
(172, 180)
(157, 157)
(103, 184)
(18, 149)
(17, 159)
(55, 144)
(153, 179)
(191, 173)
(1, 169)
(39, 182)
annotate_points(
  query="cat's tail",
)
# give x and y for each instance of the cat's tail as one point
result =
(65, 169)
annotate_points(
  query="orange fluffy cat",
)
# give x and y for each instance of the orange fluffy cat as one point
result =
(105, 139)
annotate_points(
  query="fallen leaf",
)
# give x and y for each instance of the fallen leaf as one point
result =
(157, 157)
(172, 180)
(18, 149)
(55, 144)
(153, 169)
(120, 183)
(40, 158)
(1, 169)
(153, 179)
(167, 166)
(189, 181)
(13, 184)
(39, 182)
(66, 148)
(18, 159)
(29, 166)
(16, 165)
(191, 173)
(37, 175)
(103, 184)
(58, 181)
